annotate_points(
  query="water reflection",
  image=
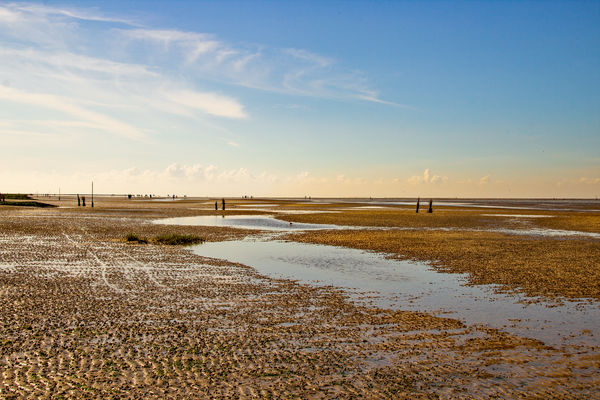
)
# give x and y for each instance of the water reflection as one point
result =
(412, 286)
(247, 222)
(267, 222)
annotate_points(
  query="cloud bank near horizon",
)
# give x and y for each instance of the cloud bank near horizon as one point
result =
(211, 180)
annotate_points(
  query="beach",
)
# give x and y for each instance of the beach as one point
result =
(86, 314)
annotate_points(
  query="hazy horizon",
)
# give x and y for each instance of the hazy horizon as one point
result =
(294, 99)
(424, 199)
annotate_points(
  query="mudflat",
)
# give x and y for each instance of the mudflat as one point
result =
(554, 254)
(86, 314)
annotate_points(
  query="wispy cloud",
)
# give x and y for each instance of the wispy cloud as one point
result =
(67, 106)
(52, 57)
(47, 54)
(282, 70)
(71, 13)
(210, 103)
(67, 61)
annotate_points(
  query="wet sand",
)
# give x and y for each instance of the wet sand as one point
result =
(86, 315)
(554, 256)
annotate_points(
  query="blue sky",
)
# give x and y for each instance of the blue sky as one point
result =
(293, 98)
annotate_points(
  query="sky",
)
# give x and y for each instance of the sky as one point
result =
(307, 98)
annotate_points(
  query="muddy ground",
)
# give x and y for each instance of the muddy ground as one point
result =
(85, 315)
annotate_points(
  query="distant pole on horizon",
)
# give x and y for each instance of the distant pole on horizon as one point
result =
(418, 201)
(92, 194)
(58, 194)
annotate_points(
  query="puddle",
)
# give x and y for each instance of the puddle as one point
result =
(518, 215)
(544, 232)
(284, 211)
(257, 205)
(411, 286)
(579, 205)
(372, 278)
(246, 222)
(364, 208)
(267, 222)
(163, 198)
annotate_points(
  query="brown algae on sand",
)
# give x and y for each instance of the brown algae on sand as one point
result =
(85, 316)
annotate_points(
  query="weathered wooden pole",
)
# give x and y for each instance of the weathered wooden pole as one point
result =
(430, 206)
(223, 203)
(78, 200)
(418, 201)
(92, 194)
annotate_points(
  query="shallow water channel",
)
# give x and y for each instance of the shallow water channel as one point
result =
(377, 280)
(246, 222)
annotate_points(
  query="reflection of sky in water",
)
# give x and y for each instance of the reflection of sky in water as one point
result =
(411, 286)
(509, 204)
(256, 205)
(400, 284)
(161, 198)
(245, 221)
(518, 215)
(543, 232)
(269, 223)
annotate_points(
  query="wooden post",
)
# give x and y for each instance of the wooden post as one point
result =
(430, 206)
(418, 201)
(92, 194)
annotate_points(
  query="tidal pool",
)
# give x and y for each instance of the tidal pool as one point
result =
(372, 278)
(379, 281)
(586, 205)
(268, 222)
(246, 222)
